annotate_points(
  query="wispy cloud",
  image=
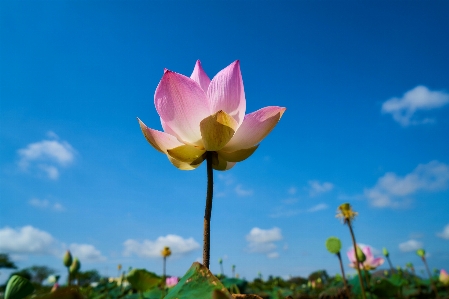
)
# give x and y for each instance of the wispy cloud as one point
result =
(46, 156)
(410, 245)
(240, 191)
(46, 204)
(292, 191)
(392, 190)
(262, 241)
(419, 98)
(318, 207)
(315, 187)
(283, 211)
(178, 246)
(86, 252)
(445, 233)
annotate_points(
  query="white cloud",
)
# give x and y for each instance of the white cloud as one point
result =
(316, 188)
(273, 255)
(445, 233)
(292, 190)
(262, 241)
(410, 245)
(26, 240)
(178, 246)
(86, 253)
(392, 190)
(45, 204)
(242, 192)
(419, 98)
(318, 207)
(46, 156)
(258, 235)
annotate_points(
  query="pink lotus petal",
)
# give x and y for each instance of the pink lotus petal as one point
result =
(226, 92)
(367, 251)
(230, 165)
(182, 165)
(377, 262)
(181, 104)
(351, 256)
(159, 140)
(254, 128)
(199, 76)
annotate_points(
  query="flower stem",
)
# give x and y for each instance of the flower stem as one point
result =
(208, 211)
(391, 266)
(430, 278)
(343, 274)
(357, 260)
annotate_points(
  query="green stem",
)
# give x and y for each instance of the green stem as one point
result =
(343, 274)
(163, 270)
(357, 260)
(430, 278)
(68, 277)
(208, 211)
(391, 266)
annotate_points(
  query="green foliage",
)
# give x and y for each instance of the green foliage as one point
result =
(142, 280)
(197, 283)
(333, 245)
(5, 262)
(39, 273)
(18, 287)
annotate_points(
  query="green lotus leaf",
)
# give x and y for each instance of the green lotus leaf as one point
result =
(18, 287)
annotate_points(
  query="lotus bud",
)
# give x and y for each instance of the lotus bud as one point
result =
(75, 267)
(444, 277)
(421, 253)
(67, 259)
(166, 252)
(119, 267)
(220, 261)
(360, 255)
(333, 245)
(385, 272)
(385, 252)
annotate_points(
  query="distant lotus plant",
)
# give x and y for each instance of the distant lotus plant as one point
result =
(422, 254)
(369, 263)
(171, 281)
(205, 119)
(444, 277)
(347, 215)
(166, 252)
(333, 245)
(67, 261)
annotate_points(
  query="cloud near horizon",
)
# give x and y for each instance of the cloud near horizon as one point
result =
(46, 156)
(262, 241)
(417, 99)
(410, 245)
(152, 249)
(392, 191)
(29, 240)
(445, 233)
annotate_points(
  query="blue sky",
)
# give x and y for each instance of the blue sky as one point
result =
(366, 86)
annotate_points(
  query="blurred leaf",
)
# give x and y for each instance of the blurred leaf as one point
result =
(18, 287)
(197, 283)
(154, 293)
(216, 294)
(142, 280)
(385, 289)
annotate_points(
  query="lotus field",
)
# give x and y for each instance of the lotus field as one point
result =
(205, 120)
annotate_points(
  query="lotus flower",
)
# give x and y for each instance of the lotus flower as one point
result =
(171, 281)
(370, 262)
(444, 277)
(200, 115)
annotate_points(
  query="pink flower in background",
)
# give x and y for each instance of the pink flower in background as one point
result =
(444, 277)
(171, 281)
(369, 264)
(199, 115)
